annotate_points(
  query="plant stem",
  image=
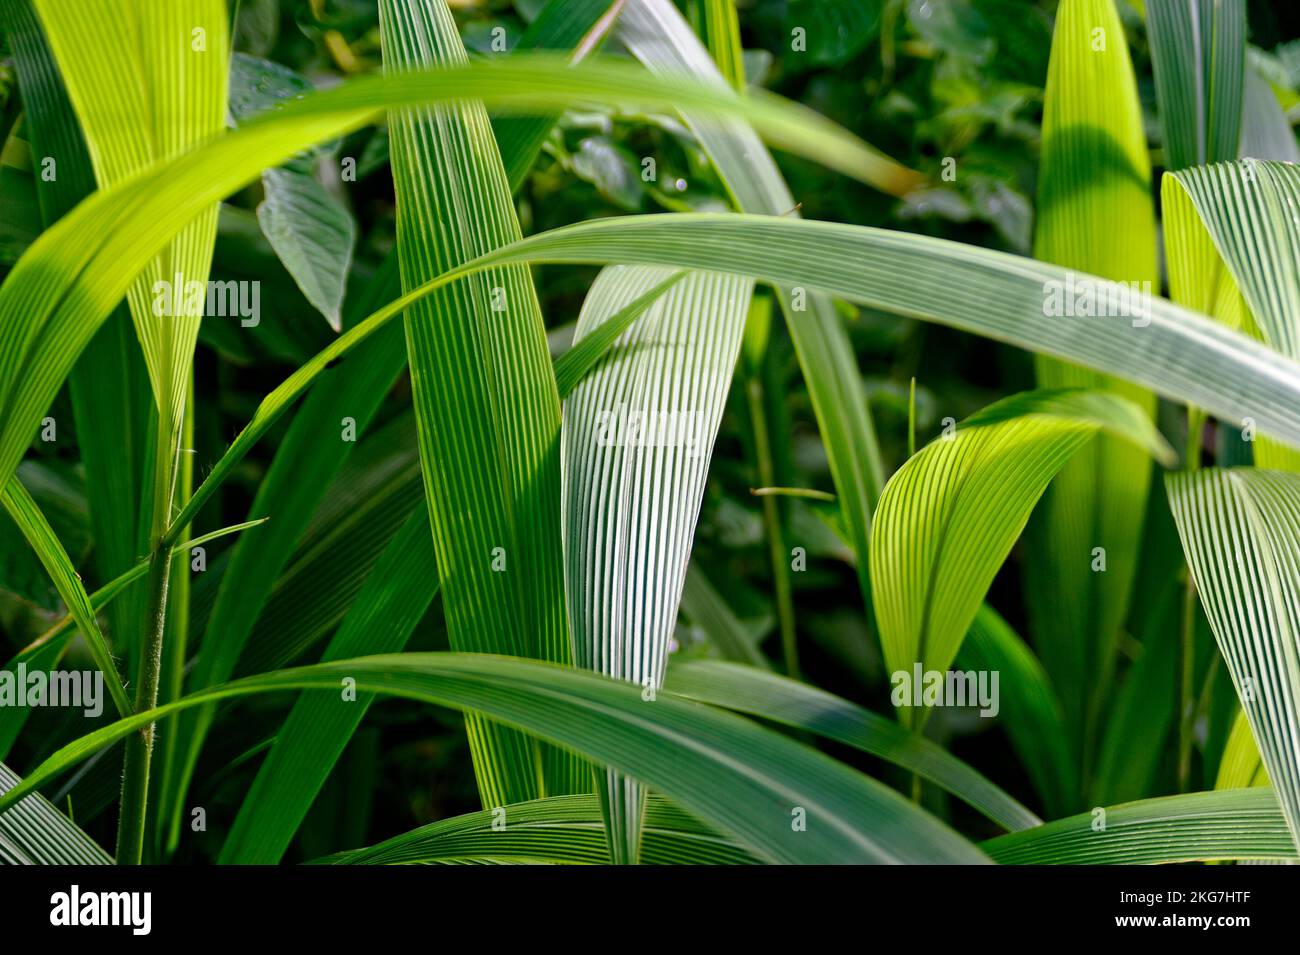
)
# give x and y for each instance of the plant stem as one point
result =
(139, 745)
(1187, 640)
(772, 524)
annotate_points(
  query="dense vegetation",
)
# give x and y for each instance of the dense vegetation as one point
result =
(452, 435)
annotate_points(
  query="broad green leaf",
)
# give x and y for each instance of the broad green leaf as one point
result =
(766, 695)
(1029, 708)
(176, 54)
(487, 445)
(35, 833)
(910, 275)
(1243, 211)
(637, 439)
(1194, 827)
(1240, 529)
(396, 596)
(313, 235)
(561, 829)
(1095, 215)
(949, 516)
(657, 34)
(1198, 54)
(745, 780)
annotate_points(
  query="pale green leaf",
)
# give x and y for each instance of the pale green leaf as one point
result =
(1240, 529)
(948, 518)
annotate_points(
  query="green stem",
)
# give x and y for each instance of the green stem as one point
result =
(772, 524)
(139, 745)
(1187, 639)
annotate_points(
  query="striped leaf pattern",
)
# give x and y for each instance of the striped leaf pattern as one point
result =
(35, 833)
(657, 34)
(562, 829)
(1232, 824)
(173, 98)
(485, 396)
(60, 291)
(1233, 238)
(743, 779)
(948, 518)
(1006, 298)
(638, 435)
(1240, 529)
(1198, 54)
(1095, 215)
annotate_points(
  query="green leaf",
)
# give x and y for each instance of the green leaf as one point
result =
(488, 445)
(35, 833)
(396, 596)
(1095, 215)
(1240, 529)
(1171, 349)
(561, 829)
(1194, 827)
(1143, 714)
(178, 55)
(1241, 766)
(1198, 54)
(18, 502)
(1265, 131)
(722, 31)
(576, 363)
(313, 235)
(747, 781)
(1245, 208)
(782, 700)
(638, 436)
(948, 518)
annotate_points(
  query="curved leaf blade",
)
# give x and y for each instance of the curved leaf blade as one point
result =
(729, 772)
